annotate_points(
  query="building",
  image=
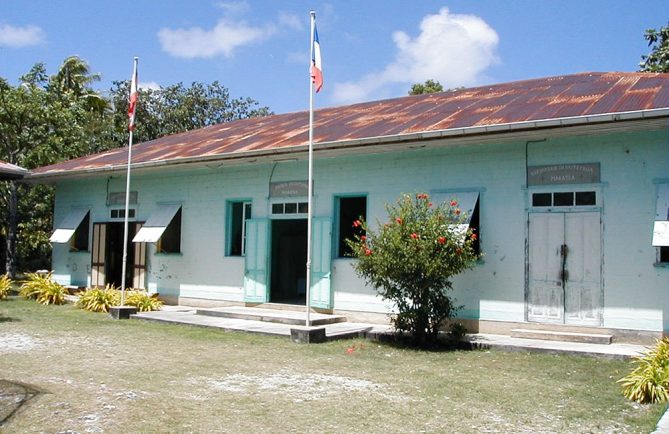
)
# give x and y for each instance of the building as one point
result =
(563, 177)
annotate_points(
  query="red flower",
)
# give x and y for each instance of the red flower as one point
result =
(398, 220)
(414, 236)
(421, 196)
(441, 240)
(429, 204)
(454, 203)
(356, 223)
(457, 211)
(368, 252)
(473, 237)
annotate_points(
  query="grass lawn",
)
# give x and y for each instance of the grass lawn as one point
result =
(89, 373)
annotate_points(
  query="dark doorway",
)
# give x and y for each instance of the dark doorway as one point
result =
(114, 254)
(289, 261)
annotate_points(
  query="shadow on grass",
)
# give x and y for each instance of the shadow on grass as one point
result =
(8, 319)
(443, 344)
(13, 396)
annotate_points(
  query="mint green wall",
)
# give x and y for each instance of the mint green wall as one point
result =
(635, 290)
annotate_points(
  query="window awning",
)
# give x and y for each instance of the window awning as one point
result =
(661, 225)
(156, 224)
(68, 226)
(466, 202)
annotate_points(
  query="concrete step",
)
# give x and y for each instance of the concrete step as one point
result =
(555, 335)
(271, 315)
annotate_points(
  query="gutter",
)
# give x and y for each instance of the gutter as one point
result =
(378, 140)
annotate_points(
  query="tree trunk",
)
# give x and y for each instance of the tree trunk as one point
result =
(10, 241)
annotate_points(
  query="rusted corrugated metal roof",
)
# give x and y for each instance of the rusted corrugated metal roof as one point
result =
(559, 97)
(11, 171)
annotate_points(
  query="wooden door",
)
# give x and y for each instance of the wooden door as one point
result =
(98, 254)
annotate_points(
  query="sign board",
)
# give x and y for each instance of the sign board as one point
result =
(289, 189)
(586, 173)
(661, 233)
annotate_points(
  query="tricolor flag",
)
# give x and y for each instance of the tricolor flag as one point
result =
(316, 68)
(132, 102)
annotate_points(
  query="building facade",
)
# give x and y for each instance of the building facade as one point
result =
(563, 178)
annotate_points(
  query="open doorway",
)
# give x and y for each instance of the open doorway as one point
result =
(107, 256)
(288, 261)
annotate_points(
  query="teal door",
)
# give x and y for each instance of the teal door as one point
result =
(321, 253)
(255, 266)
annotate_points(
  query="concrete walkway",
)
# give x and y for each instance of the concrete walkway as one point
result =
(187, 315)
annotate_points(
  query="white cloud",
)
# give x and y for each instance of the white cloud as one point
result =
(152, 85)
(233, 8)
(18, 37)
(291, 21)
(224, 38)
(454, 49)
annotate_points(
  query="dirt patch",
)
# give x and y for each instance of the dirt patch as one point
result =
(14, 342)
(298, 387)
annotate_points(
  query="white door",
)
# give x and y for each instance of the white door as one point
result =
(565, 268)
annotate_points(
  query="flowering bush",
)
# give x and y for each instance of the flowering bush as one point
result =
(411, 259)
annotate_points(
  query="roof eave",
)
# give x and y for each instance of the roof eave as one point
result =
(251, 156)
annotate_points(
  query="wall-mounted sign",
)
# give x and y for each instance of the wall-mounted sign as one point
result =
(289, 189)
(586, 173)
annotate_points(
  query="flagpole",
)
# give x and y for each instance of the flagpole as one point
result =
(311, 175)
(127, 195)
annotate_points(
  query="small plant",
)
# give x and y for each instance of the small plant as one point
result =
(143, 301)
(649, 381)
(457, 331)
(40, 287)
(5, 286)
(99, 299)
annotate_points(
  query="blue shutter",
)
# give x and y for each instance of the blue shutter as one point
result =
(321, 290)
(255, 265)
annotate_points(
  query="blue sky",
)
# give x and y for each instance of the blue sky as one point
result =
(371, 49)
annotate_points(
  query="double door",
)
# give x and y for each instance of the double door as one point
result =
(565, 284)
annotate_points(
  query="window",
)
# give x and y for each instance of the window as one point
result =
(468, 203)
(170, 241)
(350, 210)
(663, 254)
(238, 213)
(79, 241)
(120, 213)
(661, 225)
(163, 227)
(290, 208)
(567, 198)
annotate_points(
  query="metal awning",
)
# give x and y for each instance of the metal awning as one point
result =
(68, 226)
(156, 224)
(466, 203)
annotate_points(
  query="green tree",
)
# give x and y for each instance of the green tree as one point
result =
(658, 58)
(411, 259)
(175, 109)
(40, 123)
(430, 86)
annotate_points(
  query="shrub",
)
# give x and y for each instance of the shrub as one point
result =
(40, 287)
(143, 301)
(649, 381)
(99, 299)
(5, 286)
(410, 260)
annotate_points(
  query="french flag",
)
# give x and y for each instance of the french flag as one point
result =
(132, 102)
(316, 68)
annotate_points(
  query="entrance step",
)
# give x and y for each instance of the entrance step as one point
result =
(553, 335)
(271, 315)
